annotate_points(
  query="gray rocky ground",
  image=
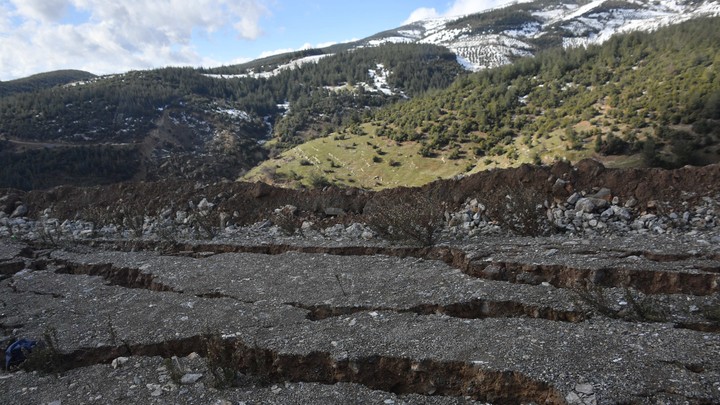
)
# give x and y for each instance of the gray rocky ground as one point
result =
(259, 318)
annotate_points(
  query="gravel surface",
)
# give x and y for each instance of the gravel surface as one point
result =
(503, 320)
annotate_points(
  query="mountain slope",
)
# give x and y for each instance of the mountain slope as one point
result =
(43, 81)
(638, 99)
(500, 36)
(210, 124)
(206, 124)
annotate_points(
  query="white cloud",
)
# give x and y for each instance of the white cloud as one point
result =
(421, 13)
(44, 10)
(115, 36)
(326, 44)
(265, 54)
(458, 7)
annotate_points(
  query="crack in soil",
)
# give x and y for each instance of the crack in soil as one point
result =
(558, 275)
(398, 375)
(41, 293)
(473, 309)
(120, 276)
(8, 268)
(561, 276)
(217, 294)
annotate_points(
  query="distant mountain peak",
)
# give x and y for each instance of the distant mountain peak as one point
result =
(497, 37)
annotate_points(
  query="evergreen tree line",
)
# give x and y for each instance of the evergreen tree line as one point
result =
(122, 107)
(638, 80)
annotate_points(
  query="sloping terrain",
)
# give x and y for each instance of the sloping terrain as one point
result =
(501, 36)
(43, 81)
(217, 123)
(638, 99)
(188, 293)
(198, 124)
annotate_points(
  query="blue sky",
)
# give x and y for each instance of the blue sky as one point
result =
(114, 36)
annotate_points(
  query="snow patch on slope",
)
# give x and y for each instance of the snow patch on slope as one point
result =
(379, 77)
(264, 75)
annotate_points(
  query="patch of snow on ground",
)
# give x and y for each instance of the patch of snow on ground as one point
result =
(466, 64)
(583, 9)
(234, 113)
(379, 77)
(551, 15)
(264, 75)
(411, 33)
(218, 76)
(444, 36)
(527, 30)
(619, 21)
(390, 40)
(433, 24)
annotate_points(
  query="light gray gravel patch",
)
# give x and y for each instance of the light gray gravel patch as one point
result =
(147, 380)
(321, 279)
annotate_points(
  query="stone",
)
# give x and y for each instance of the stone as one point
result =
(287, 210)
(334, 211)
(573, 399)
(223, 220)
(607, 213)
(354, 230)
(586, 389)
(205, 205)
(589, 167)
(590, 204)
(20, 211)
(334, 231)
(631, 202)
(155, 389)
(190, 378)
(573, 199)
(603, 193)
(623, 213)
(119, 362)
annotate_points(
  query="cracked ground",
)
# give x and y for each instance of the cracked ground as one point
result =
(546, 320)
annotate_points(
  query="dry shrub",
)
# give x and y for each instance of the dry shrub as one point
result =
(46, 357)
(412, 217)
(287, 220)
(519, 209)
(638, 308)
(221, 361)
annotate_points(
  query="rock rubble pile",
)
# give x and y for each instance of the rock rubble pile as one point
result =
(582, 213)
(596, 213)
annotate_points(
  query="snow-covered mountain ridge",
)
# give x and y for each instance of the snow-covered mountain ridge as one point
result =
(497, 37)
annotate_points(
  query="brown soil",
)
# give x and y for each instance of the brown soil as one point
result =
(254, 201)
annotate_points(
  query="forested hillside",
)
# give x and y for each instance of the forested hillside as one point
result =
(180, 119)
(392, 109)
(639, 99)
(43, 81)
(631, 88)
